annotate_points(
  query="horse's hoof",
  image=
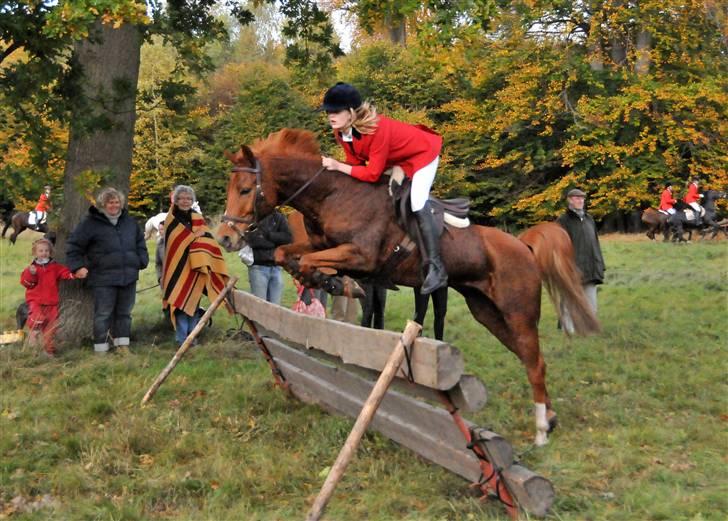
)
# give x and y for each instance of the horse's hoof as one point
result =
(553, 420)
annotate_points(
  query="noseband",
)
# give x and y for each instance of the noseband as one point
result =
(260, 196)
(253, 224)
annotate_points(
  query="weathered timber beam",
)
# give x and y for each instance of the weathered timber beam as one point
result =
(427, 430)
(468, 395)
(534, 493)
(434, 364)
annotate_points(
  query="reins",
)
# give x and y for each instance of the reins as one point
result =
(253, 224)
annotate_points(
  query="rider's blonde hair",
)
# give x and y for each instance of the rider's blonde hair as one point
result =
(364, 118)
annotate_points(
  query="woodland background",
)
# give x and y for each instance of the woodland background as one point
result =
(532, 97)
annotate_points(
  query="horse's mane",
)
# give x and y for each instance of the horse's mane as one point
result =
(288, 142)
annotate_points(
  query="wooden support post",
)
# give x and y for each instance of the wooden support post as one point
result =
(365, 417)
(188, 341)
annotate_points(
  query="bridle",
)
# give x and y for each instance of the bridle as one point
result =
(260, 196)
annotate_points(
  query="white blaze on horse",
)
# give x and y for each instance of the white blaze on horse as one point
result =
(151, 228)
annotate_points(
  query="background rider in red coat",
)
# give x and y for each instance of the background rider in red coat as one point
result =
(693, 198)
(43, 206)
(667, 200)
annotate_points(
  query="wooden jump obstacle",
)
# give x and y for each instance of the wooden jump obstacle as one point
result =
(333, 364)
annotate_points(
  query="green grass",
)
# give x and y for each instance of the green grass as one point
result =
(642, 411)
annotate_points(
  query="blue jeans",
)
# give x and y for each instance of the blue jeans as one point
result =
(185, 324)
(112, 311)
(266, 282)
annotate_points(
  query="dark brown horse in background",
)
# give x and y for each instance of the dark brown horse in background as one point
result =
(656, 222)
(19, 222)
(353, 230)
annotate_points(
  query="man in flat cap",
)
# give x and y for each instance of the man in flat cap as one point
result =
(583, 232)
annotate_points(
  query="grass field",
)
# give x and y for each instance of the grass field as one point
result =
(642, 411)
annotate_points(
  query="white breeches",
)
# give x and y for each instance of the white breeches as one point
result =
(696, 206)
(421, 184)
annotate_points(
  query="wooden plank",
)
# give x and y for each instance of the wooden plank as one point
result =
(469, 394)
(371, 405)
(534, 493)
(435, 364)
(498, 450)
(424, 429)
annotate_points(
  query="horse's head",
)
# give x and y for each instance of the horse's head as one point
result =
(272, 165)
(246, 200)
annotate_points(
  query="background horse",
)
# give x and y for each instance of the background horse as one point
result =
(656, 222)
(680, 220)
(151, 228)
(6, 212)
(19, 222)
(352, 230)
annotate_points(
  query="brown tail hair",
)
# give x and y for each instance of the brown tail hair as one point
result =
(554, 254)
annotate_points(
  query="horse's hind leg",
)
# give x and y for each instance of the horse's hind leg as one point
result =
(518, 331)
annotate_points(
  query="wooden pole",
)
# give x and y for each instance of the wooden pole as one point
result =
(188, 341)
(362, 422)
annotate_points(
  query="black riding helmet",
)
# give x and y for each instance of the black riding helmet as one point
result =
(341, 96)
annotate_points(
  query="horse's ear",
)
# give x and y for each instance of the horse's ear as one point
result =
(248, 154)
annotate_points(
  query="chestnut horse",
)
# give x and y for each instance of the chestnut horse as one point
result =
(353, 231)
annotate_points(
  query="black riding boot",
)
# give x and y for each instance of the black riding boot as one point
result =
(436, 275)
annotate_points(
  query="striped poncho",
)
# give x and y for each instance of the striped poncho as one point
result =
(193, 265)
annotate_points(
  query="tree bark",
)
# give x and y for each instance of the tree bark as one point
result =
(396, 30)
(643, 45)
(99, 154)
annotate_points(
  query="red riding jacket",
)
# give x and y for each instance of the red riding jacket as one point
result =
(44, 204)
(392, 143)
(692, 196)
(667, 200)
(42, 288)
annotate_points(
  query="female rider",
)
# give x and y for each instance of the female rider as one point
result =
(372, 144)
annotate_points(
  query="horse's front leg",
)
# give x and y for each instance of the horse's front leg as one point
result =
(347, 257)
(319, 266)
(290, 253)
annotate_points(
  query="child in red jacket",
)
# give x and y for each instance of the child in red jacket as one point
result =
(41, 294)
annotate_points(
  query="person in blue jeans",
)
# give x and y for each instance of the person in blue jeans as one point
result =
(108, 247)
(264, 276)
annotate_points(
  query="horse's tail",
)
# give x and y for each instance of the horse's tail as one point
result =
(554, 254)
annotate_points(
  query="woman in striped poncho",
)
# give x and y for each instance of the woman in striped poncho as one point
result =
(193, 263)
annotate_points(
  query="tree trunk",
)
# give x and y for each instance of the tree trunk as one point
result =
(396, 30)
(618, 50)
(643, 44)
(98, 155)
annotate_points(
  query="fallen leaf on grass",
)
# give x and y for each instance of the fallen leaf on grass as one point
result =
(682, 466)
(324, 472)
(146, 460)
(10, 415)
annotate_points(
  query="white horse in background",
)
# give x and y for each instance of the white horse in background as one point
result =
(151, 228)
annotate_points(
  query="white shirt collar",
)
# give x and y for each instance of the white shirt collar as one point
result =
(347, 136)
